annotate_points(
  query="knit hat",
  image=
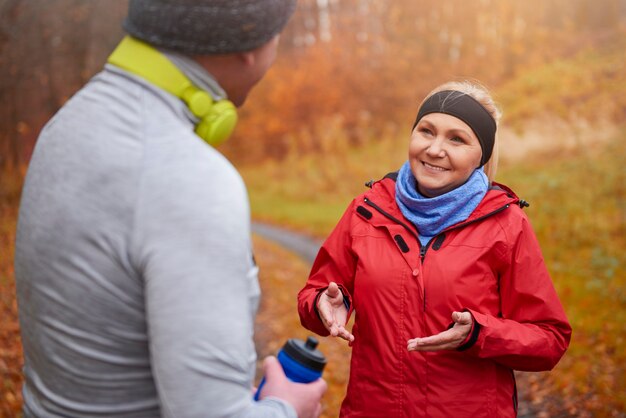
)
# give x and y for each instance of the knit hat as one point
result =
(207, 26)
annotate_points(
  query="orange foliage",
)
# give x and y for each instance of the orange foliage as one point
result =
(370, 85)
(10, 344)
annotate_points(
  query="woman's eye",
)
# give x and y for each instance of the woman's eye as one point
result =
(426, 131)
(457, 139)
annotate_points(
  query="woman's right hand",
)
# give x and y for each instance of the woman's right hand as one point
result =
(334, 313)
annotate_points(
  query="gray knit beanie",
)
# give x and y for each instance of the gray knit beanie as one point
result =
(207, 26)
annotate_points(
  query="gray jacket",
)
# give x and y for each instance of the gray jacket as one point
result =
(136, 285)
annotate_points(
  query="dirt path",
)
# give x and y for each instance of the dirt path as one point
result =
(279, 315)
(282, 274)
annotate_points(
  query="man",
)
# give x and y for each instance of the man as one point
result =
(136, 283)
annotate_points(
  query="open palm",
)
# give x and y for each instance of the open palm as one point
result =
(333, 312)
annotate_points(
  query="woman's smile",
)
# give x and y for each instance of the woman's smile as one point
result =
(433, 167)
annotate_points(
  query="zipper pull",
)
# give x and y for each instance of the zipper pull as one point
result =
(422, 252)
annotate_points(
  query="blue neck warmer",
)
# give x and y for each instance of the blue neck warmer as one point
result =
(431, 215)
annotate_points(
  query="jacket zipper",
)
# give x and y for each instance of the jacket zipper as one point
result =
(424, 248)
(398, 221)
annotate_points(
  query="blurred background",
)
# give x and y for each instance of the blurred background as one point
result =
(335, 111)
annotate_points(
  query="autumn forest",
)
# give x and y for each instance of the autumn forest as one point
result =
(335, 110)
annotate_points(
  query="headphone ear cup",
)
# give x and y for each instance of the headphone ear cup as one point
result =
(216, 126)
(217, 120)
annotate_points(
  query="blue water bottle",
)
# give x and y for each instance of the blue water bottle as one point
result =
(301, 361)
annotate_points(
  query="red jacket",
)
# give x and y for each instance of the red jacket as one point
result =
(490, 265)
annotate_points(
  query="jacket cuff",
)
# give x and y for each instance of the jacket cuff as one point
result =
(472, 336)
(317, 298)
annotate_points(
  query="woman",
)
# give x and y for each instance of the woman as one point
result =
(444, 274)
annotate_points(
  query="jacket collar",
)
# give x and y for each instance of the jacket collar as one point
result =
(383, 194)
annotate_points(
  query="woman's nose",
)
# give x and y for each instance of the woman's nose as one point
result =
(436, 149)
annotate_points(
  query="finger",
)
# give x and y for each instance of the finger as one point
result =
(341, 332)
(318, 410)
(272, 370)
(456, 317)
(444, 337)
(437, 347)
(418, 346)
(441, 338)
(334, 295)
(336, 331)
(319, 386)
(434, 345)
(462, 318)
(345, 334)
(411, 344)
(333, 290)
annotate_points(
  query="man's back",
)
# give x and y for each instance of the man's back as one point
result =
(136, 284)
(118, 195)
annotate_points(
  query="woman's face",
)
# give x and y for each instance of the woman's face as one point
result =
(443, 153)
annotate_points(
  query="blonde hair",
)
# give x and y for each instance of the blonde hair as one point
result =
(482, 96)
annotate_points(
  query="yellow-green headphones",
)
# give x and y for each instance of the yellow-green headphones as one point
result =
(217, 119)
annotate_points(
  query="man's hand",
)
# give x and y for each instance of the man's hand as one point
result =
(333, 312)
(304, 397)
(446, 340)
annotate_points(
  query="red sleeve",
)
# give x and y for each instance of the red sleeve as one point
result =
(533, 332)
(335, 262)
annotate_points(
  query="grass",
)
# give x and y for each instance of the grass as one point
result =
(310, 191)
(578, 210)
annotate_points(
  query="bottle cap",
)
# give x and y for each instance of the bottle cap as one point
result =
(305, 353)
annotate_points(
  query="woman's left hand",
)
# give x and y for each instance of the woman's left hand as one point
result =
(446, 340)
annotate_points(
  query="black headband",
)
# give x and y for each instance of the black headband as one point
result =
(469, 110)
